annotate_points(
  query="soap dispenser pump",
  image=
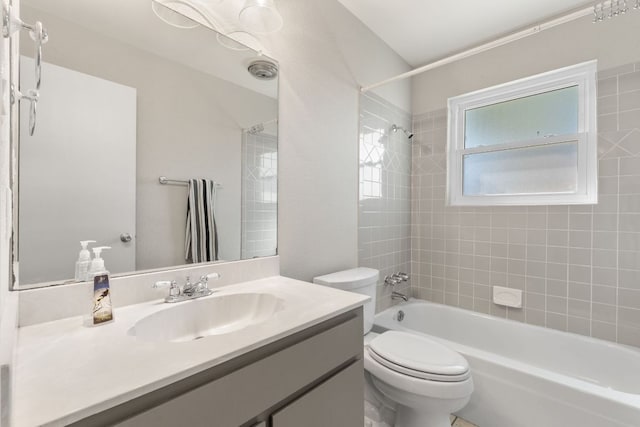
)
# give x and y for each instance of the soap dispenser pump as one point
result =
(84, 261)
(97, 264)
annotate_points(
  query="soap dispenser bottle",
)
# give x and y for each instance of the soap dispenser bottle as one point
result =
(84, 261)
(102, 309)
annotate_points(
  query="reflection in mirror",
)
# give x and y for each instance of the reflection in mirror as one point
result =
(126, 99)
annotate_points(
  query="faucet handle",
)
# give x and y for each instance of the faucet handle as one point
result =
(211, 276)
(392, 280)
(174, 289)
(402, 276)
(162, 284)
(203, 285)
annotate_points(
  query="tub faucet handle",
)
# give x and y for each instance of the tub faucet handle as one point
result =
(402, 276)
(392, 280)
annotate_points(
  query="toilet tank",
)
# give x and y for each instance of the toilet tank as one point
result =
(360, 280)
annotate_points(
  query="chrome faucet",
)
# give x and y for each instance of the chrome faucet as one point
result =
(398, 295)
(189, 290)
(396, 279)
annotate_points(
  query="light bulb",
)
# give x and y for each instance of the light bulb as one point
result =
(260, 16)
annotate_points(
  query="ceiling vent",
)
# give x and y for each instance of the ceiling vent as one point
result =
(263, 70)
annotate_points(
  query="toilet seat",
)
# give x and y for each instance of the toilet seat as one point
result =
(418, 356)
(414, 385)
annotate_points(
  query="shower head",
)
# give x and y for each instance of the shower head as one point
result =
(396, 128)
(255, 129)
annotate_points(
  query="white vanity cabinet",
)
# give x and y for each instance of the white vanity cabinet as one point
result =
(313, 378)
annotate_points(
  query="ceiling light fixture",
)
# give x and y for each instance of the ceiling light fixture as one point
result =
(260, 16)
(188, 14)
(240, 41)
(182, 14)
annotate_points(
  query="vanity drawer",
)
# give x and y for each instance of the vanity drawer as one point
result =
(318, 407)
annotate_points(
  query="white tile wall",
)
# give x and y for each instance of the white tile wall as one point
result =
(259, 195)
(579, 266)
(384, 194)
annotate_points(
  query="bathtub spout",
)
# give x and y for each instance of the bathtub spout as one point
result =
(398, 295)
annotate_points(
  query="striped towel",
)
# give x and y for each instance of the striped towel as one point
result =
(201, 239)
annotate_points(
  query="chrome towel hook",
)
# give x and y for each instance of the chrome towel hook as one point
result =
(40, 36)
(32, 96)
(12, 24)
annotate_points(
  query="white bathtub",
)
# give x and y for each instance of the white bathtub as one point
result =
(528, 376)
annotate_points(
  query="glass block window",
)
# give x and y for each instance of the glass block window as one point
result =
(527, 142)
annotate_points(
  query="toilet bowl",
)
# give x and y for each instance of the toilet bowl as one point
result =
(425, 380)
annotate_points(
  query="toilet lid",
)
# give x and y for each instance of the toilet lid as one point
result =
(418, 356)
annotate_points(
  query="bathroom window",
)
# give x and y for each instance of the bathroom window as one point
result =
(371, 154)
(527, 142)
(268, 177)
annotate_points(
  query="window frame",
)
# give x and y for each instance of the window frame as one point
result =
(583, 76)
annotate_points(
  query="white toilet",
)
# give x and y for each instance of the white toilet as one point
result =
(426, 380)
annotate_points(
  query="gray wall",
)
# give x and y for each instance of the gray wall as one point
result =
(579, 266)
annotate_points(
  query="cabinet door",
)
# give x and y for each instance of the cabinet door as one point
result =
(337, 402)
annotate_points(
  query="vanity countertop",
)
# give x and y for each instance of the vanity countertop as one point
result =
(66, 372)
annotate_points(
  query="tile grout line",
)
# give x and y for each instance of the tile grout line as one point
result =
(618, 252)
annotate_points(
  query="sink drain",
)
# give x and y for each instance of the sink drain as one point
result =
(198, 338)
(400, 316)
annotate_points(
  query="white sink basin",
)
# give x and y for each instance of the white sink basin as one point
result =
(201, 318)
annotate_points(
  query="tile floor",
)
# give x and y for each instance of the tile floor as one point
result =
(459, 422)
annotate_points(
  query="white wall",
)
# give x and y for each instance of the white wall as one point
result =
(54, 215)
(612, 43)
(8, 300)
(325, 55)
(204, 118)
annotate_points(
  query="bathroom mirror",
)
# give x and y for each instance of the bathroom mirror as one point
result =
(126, 99)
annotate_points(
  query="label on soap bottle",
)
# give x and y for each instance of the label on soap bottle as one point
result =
(102, 310)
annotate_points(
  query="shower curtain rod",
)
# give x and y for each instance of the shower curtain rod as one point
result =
(268, 122)
(259, 127)
(487, 46)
